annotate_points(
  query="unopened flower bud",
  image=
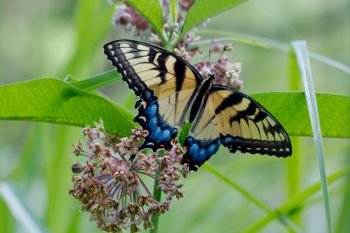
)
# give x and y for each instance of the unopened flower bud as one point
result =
(77, 168)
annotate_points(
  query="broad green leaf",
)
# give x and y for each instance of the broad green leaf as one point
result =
(52, 100)
(151, 11)
(291, 111)
(203, 9)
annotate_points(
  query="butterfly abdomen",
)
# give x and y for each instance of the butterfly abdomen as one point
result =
(199, 101)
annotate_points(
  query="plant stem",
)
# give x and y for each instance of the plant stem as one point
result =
(276, 214)
(293, 164)
(132, 230)
(297, 201)
(157, 194)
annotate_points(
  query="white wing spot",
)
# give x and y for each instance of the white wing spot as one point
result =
(142, 47)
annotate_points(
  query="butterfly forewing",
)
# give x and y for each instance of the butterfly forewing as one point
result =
(165, 83)
(154, 72)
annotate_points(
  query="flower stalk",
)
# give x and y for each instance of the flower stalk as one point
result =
(157, 194)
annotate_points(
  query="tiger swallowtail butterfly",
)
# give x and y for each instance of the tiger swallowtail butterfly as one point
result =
(172, 92)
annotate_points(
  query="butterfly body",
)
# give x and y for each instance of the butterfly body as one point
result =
(172, 92)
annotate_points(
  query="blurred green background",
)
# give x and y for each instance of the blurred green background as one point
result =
(46, 38)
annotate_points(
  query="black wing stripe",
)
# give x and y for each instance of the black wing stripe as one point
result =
(180, 70)
(232, 99)
(250, 110)
(161, 60)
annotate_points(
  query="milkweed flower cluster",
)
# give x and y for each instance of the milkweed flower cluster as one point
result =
(130, 19)
(111, 181)
(226, 72)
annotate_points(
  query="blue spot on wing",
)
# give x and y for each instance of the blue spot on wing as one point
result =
(199, 151)
(160, 133)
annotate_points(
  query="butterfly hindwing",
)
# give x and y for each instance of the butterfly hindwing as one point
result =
(164, 82)
(240, 123)
(247, 126)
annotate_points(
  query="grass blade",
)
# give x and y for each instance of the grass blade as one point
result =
(18, 210)
(281, 217)
(297, 201)
(266, 43)
(293, 165)
(301, 52)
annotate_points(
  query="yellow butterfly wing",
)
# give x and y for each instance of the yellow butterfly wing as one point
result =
(165, 83)
(235, 120)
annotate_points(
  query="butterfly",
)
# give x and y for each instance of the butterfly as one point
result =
(171, 92)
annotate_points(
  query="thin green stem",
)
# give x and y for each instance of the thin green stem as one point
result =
(157, 195)
(293, 163)
(294, 203)
(276, 214)
(263, 42)
(133, 229)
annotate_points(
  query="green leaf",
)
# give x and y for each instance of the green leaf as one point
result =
(174, 11)
(291, 111)
(100, 80)
(52, 100)
(184, 132)
(152, 12)
(203, 9)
